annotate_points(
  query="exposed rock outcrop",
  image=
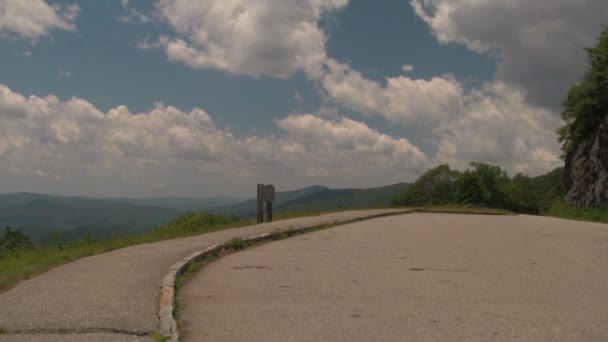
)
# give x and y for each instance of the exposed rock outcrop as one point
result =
(586, 171)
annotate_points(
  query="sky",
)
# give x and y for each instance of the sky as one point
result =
(112, 98)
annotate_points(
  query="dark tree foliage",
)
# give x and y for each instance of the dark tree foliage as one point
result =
(493, 180)
(14, 243)
(484, 185)
(435, 187)
(521, 197)
(587, 102)
(471, 190)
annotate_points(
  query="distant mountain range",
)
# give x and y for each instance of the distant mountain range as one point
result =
(249, 207)
(41, 216)
(319, 198)
(343, 199)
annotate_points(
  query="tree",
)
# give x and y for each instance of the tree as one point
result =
(436, 186)
(13, 243)
(587, 102)
(494, 180)
(471, 190)
(521, 195)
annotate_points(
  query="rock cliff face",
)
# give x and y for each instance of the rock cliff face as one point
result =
(586, 171)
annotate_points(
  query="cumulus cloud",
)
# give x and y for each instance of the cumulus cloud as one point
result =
(70, 146)
(352, 136)
(35, 19)
(407, 68)
(538, 45)
(498, 126)
(403, 99)
(255, 37)
(494, 124)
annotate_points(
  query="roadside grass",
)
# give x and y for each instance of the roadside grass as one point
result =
(562, 210)
(558, 209)
(35, 261)
(39, 259)
(464, 210)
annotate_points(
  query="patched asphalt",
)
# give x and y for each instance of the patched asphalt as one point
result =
(417, 277)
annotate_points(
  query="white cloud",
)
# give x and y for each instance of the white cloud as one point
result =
(538, 45)
(347, 152)
(64, 73)
(255, 37)
(57, 146)
(132, 16)
(403, 99)
(496, 125)
(297, 96)
(493, 124)
(407, 68)
(349, 135)
(34, 19)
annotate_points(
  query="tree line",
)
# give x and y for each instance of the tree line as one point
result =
(486, 185)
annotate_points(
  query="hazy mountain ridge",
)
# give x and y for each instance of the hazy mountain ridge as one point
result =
(320, 198)
(40, 216)
(336, 199)
(183, 203)
(248, 207)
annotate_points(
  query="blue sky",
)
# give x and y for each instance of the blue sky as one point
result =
(222, 95)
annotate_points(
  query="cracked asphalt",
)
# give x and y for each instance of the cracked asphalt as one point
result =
(417, 277)
(116, 294)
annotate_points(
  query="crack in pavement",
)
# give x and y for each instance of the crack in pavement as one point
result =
(74, 332)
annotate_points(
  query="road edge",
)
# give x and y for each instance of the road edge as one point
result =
(167, 322)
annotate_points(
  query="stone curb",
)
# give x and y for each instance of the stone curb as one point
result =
(446, 211)
(168, 325)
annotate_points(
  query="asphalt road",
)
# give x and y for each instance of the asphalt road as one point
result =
(417, 277)
(115, 294)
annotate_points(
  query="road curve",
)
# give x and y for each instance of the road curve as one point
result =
(417, 277)
(115, 296)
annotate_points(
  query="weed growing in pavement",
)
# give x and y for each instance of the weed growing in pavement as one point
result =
(156, 336)
(236, 244)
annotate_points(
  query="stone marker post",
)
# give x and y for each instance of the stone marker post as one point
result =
(260, 210)
(265, 194)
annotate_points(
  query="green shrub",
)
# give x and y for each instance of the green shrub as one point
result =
(13, 243)
(484, 185)
(237, 244)
(559, 208)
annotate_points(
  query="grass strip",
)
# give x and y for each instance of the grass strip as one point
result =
(565, 211)
(32, 262)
